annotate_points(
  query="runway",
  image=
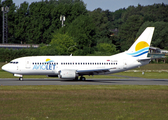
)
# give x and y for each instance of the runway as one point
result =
(127, 81)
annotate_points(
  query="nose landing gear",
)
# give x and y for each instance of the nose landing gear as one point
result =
(20, 76)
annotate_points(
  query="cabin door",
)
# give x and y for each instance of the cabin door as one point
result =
(124, 64)
(27, 64)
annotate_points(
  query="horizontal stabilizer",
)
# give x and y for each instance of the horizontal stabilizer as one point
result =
(144, 59)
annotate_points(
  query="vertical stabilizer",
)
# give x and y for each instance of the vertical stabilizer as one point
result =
(141, 46)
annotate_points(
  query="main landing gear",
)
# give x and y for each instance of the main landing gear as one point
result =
(81, 78)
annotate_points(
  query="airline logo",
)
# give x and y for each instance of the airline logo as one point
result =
(45, 66)
(140, 49)
(49, 61)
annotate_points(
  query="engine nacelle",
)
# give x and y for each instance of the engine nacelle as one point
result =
(67, 74)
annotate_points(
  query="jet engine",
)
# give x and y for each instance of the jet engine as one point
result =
(67, 74)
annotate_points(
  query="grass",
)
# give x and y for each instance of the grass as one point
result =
(154, 67)
(79, 102)
(4, 74)
(154, 75)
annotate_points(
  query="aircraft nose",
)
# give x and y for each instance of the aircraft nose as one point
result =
(5, 67)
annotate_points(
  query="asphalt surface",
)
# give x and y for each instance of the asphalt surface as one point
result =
(127, 81)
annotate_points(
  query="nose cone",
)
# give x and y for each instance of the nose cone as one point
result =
(5, 67)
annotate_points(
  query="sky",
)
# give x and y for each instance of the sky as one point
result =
(111, 5)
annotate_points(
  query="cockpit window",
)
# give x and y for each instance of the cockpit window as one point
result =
(14, 62)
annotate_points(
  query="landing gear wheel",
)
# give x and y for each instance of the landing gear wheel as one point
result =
(21, 79)
(82, 78)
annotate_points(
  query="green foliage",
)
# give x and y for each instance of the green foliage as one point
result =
(62, 44)
(106, 49)
(160, 37)
(20, 24)
(82, 30)
(166, 59)
(100, 19)
(129, 30)
(36, 22)
(85, 32)
(9, 54)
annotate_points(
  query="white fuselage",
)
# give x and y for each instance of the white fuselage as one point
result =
(37, 65)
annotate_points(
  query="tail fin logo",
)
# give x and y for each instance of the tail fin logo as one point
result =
(140, 49)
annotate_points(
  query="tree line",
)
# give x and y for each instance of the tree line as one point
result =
(97, 32)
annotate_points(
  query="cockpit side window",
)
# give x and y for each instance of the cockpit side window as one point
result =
(14, 62)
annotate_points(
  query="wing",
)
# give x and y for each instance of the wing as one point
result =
(93, 71)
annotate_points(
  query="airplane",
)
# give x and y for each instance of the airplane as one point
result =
(72, 67)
